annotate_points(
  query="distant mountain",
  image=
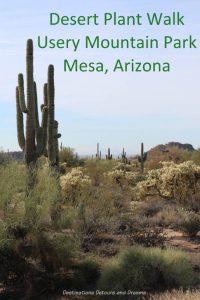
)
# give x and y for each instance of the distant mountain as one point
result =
(166, 147)
(169, 152)
(188, 147)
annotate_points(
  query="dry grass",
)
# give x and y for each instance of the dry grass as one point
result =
(177, 295)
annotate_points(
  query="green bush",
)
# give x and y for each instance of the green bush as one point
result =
(87, 272)
(13, 178)
(68, 156)
(97, 169)
(142, 269)
(13, 267)
(29, 219)
(4, 158)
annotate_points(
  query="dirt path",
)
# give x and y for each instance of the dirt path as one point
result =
(177, 239)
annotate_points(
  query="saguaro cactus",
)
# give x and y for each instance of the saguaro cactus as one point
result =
(98, 154)
(124, 158)
(30, 147)
(51, 95)
(108, 156)
(142, 158)
(35, 142)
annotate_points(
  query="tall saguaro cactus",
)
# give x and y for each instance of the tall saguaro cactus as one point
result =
(124, 158)
(98, 154)
(30, 148)
(108, 156)
(35, 142)
(142, 158)
(50, 133)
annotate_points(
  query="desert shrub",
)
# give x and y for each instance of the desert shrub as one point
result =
(4, 158)
(169, 216)
(13, 267)
(195, 157)
(142, 269)
(176, 181)
(87, 273)
(67, 155)
(30, 208)
(68, 217)
(190, 223)
(101, 208)
(150, 207)
(158, 211)
(147, 235)
(96, 169)
(194, 203)
(13, 179)
(51, 250)
(30, 218)
(97, 202)
(143, 231)
(44, 200)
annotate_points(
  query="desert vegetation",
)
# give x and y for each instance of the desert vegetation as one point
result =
(111, 226)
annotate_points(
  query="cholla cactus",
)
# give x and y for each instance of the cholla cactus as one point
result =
(74, 183)
(175, 181)
(123, 177)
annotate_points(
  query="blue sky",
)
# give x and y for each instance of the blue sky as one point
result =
(119, 109)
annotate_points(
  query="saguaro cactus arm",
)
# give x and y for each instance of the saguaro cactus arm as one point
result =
(22, 102)
(56, 146)
(37, 124)
(20, 122)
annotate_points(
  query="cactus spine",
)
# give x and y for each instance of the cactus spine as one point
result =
(142, 158)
